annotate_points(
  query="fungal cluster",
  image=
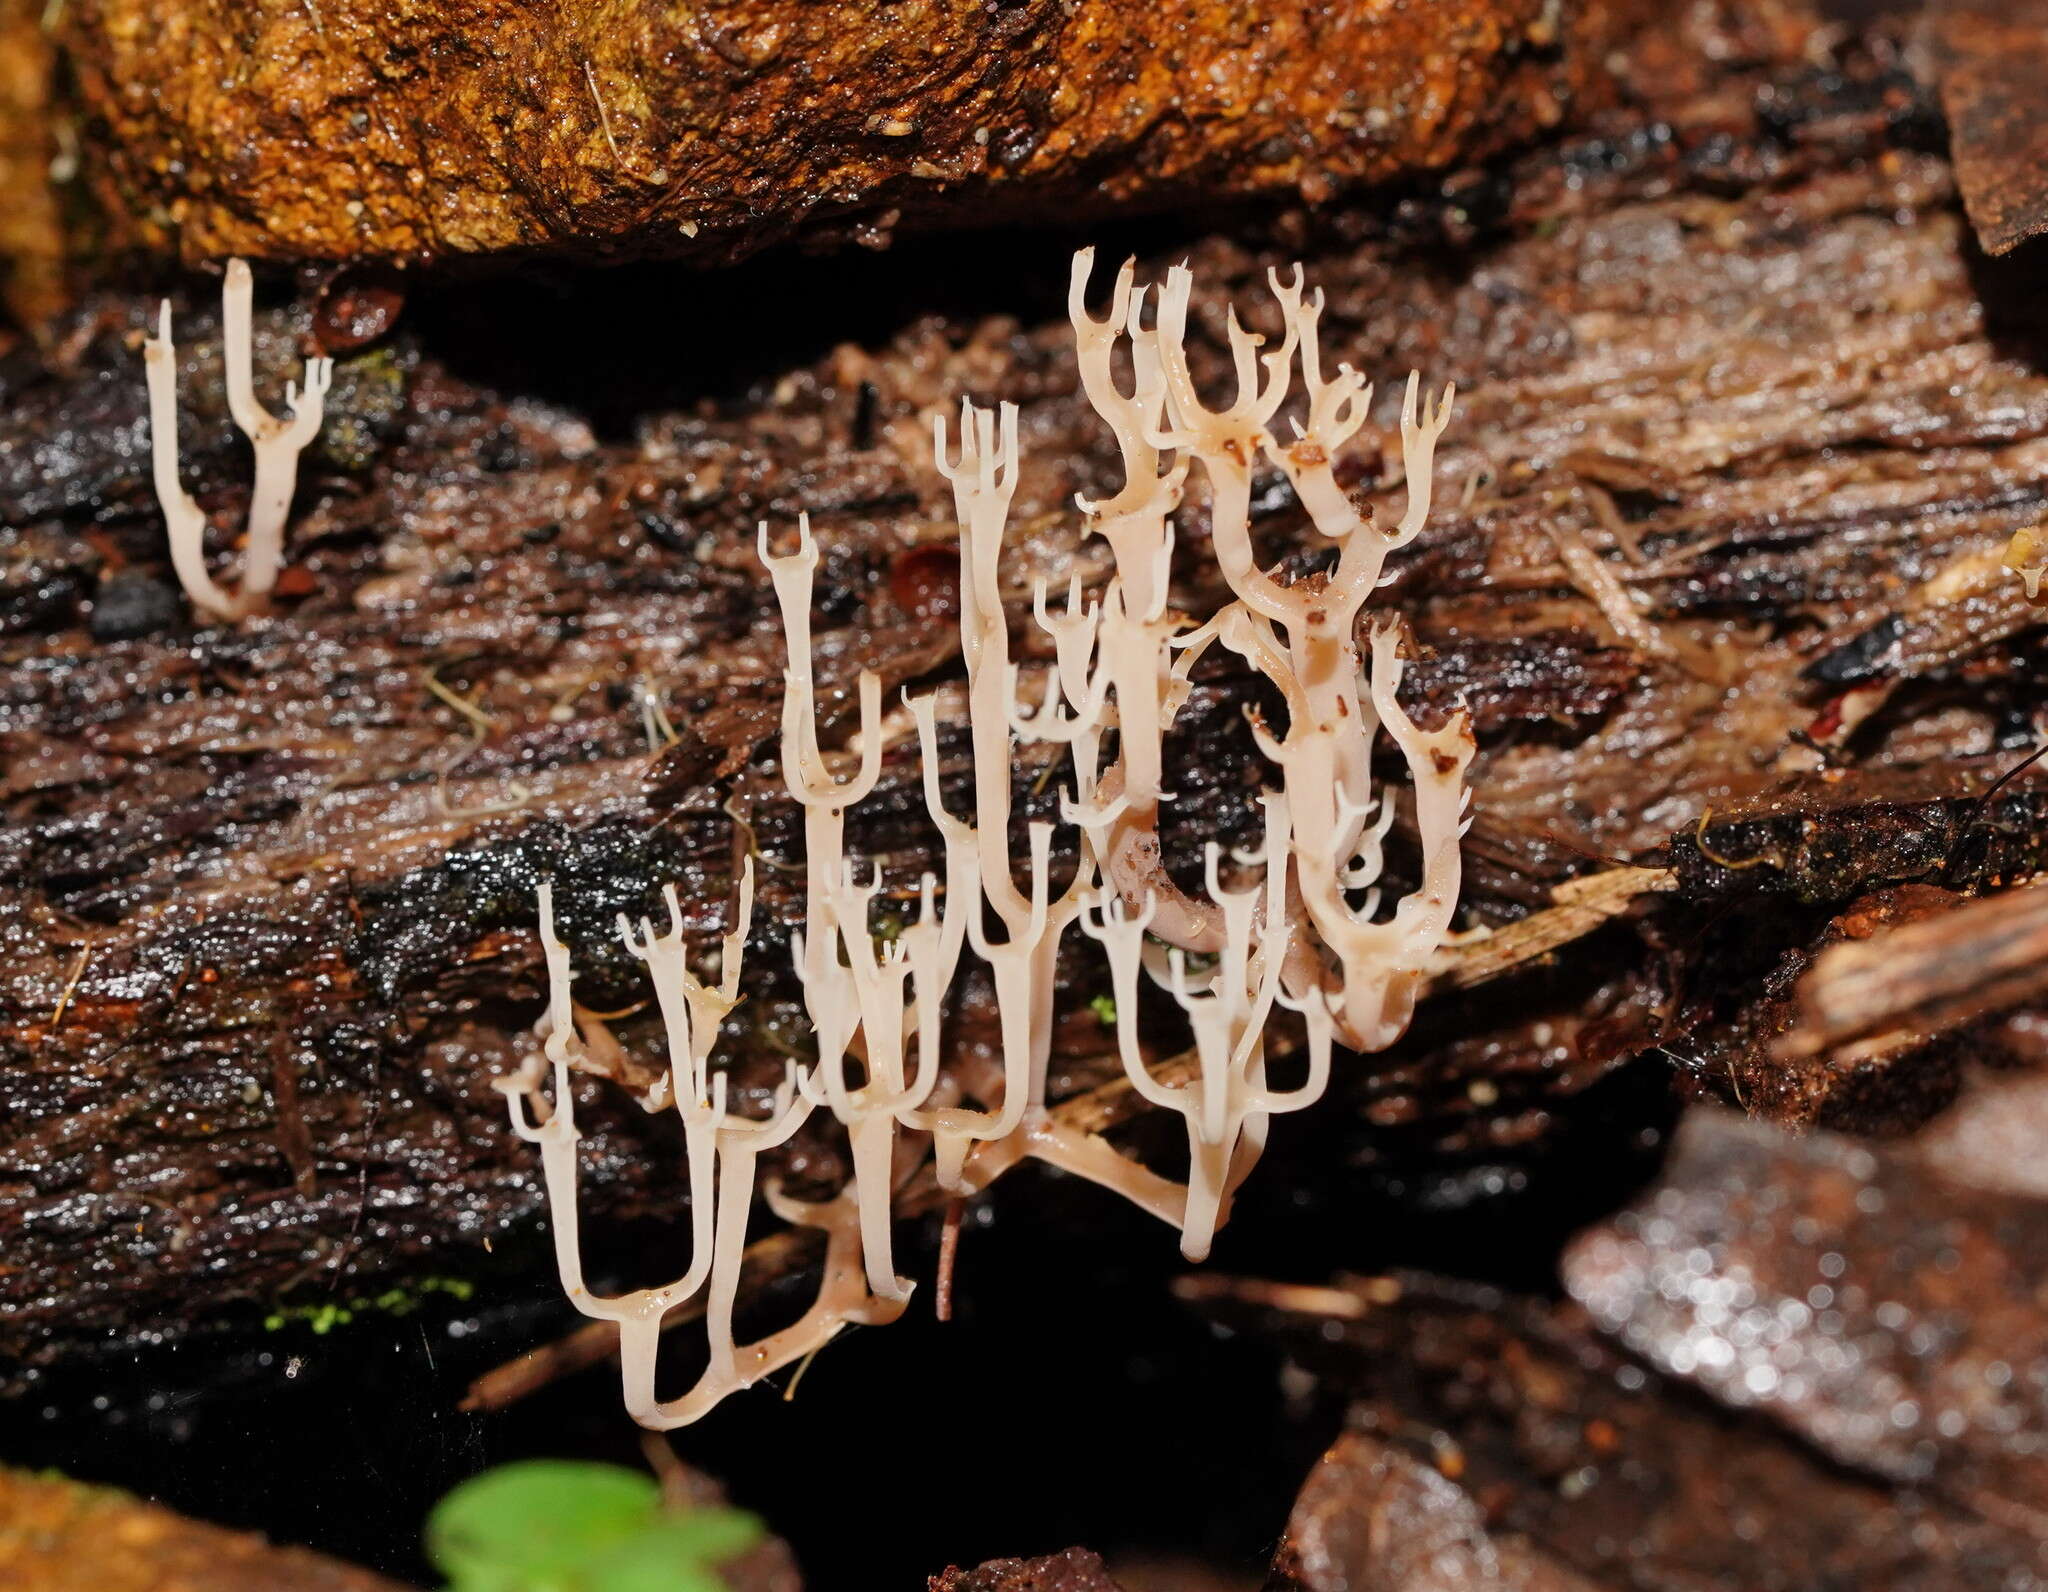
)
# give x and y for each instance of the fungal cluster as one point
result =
(1297, 923)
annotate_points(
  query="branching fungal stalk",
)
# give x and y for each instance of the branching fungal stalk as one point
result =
(715, 1141)
(278, 444)
(1021, 962)
(1227, 1103)
(1297, 924)
(862, 995)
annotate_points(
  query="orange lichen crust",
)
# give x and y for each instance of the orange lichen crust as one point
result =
(353, 129)
(61, 1536)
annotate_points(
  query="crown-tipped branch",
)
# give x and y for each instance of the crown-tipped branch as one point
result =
(277, 444)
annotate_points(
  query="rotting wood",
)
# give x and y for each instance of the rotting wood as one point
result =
(247, 828)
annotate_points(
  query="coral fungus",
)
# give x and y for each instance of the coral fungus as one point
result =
(1297, 924)
(278, 444)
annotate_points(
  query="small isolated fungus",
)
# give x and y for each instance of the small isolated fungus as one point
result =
(278, 444)
(1298, 923)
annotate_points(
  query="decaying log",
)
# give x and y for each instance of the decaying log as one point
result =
(266, 894)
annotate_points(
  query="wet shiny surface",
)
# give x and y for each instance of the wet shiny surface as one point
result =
(1899, 1323)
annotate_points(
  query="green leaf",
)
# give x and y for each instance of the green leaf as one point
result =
(572, 1526)
(676, 1554)
(536, 1526)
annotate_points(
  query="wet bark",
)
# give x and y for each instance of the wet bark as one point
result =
(266, 894)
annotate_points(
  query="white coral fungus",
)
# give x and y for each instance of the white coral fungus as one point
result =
(278, 444)
(1298, 923)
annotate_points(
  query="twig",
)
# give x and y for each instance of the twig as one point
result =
(70, 989)
(803, 1365)
(604, 118)
(479, 720)
(1597, 583)
(1581, 906)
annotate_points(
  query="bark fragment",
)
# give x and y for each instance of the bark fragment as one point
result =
(1505, 1440)
(1372, 1518)
(1895, 1322)
(1992, 55)
(1902, 984)
(1076, 1570)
